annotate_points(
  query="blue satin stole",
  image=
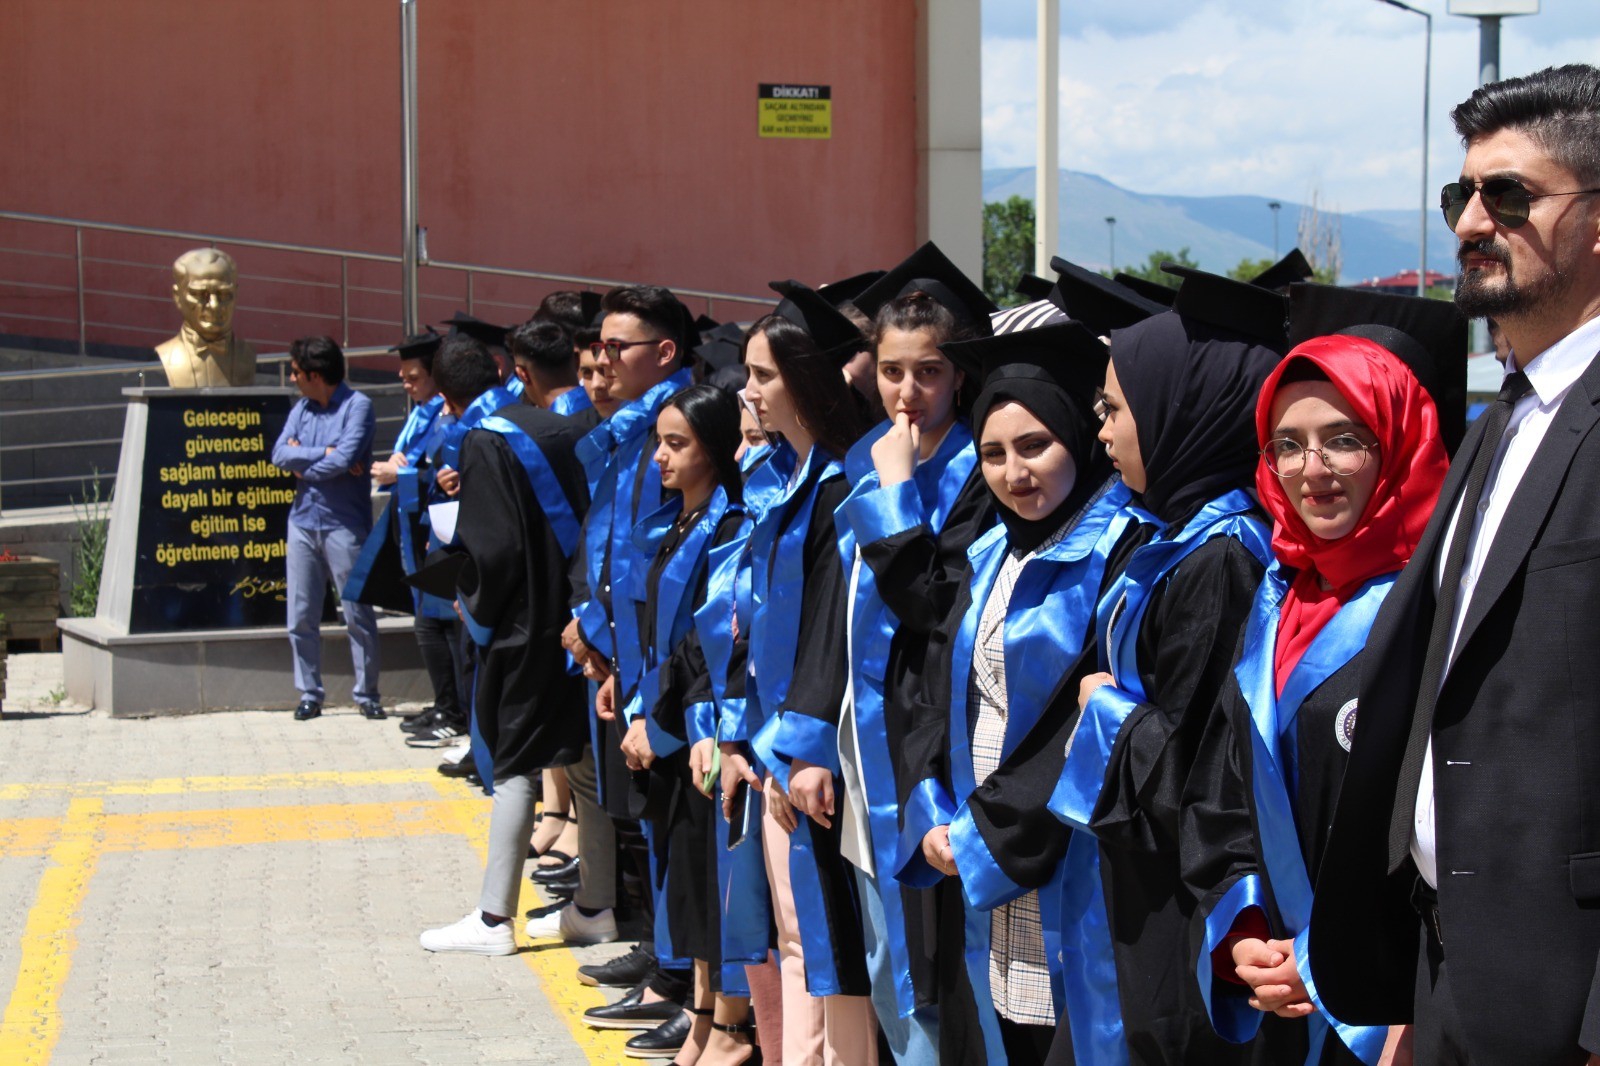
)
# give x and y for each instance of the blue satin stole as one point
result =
(1273, 783)
(680, 577)
(422, 430)
(488, 403)
(614, 509)
(869, 514)
(1047, 621)
(571, 402)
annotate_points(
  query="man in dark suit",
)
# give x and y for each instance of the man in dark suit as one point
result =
(1461, 889)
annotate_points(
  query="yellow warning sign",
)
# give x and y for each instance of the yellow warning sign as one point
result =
(797, 111)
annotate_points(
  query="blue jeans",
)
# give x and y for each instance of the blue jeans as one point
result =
(315, 557)
(914, 1040)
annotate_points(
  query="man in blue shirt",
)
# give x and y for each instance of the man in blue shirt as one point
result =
(327, 445)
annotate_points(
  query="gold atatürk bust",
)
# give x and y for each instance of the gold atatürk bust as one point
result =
(205, 352)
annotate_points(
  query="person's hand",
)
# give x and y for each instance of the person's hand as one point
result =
(356, 470)
(605, 701)
(736, 770)
(386, 472)
(1089, 685)
(811, 791)
(700, 764)
(329, 450)
(456, 606)
(896, 453)
(448, 480)
(936, 850)
(778, 805)
(636, 750)
(591, 662)
(1397, 1048)
(1267, 966)
(293, 442)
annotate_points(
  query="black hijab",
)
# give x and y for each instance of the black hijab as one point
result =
(1192, 389)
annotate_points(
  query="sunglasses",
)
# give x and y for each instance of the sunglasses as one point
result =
(1506, 200)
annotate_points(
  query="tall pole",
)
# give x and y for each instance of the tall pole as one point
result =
(1274, 206)
(408, 166)
(1488, 49)
(1111, 231)
(1427, 85)
(1046, 171)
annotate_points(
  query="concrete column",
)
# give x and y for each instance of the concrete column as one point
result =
(950, 130)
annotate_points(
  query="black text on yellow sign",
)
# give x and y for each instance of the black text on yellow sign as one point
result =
(804, 111)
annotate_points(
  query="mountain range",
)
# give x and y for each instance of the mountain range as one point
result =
(1219, 231)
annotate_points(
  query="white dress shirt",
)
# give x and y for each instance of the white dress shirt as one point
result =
(1552, 374)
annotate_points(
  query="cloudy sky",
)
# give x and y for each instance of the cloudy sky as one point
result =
(1271, 97)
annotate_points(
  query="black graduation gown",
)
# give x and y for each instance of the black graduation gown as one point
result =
(530, 711)
(920, 576)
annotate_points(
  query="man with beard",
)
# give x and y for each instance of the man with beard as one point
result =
(1460, 892)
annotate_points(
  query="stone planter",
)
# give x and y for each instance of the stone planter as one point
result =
(30, 592)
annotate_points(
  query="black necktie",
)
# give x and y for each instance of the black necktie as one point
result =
(1514, 387)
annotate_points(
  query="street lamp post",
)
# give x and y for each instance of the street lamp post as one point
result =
(1274, 206)
(1047, 169)
(1427, 82)
(1111, 230)
(1489, 13)
(409, 249)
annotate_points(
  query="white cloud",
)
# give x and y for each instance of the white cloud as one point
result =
(1269, 97)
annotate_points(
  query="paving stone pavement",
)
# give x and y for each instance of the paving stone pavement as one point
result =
(244, 888)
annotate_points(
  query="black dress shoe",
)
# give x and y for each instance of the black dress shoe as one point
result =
(307, 710)
(561, 889)
(371, 709)
(631, 1012)
(664, 1041)
(465, 768)
(547, 875)
(624, 971)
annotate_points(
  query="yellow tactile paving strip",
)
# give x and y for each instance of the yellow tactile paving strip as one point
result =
(75, 841)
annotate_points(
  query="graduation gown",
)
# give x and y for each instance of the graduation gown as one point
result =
(1049, 618)
(1263, 829)
(794, 686)
(1167, 632)
(522, 495)
(912, 540)
(399, 537)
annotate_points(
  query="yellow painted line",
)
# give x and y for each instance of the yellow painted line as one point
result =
(173, 786)
(27, 836)
(555, 969)
(32, 1021)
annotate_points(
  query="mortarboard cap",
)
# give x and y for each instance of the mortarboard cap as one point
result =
(1259, 314)
(1100, 303)
(1150, 290)
(1429, 336)
(835, 334)
(929, 270)
(589, 301)
(1026, 316)
(705, 324)
(1065, 354)
(476, 328)
(1291, 268)
(419, 345)
(721, 346)
(1032, 287)
(845, 290)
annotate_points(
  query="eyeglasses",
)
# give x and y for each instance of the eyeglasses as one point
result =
(1506, 200)
(614, 348)
(1342, 455)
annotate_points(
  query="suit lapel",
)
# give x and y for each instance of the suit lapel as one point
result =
(1533, 498)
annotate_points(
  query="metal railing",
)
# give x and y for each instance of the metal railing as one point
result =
(469, 272)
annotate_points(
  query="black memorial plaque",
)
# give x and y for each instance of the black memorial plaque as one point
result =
(213, 516)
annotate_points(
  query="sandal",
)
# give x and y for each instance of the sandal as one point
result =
(535, 853)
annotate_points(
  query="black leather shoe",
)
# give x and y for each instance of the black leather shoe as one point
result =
(418, 722)
(631, 1012)
(561, 889)
(664, 1041)
(624, 971)
(465, 768)
(307, 710)
(371, 709)
(549, 875)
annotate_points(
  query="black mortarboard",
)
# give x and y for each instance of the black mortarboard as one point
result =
(1064, 353)
(721, 346)
(1291, 268)
(589, 302)
(705, 324)
(1429, 336)
(1032, 287)
(419, 346)
(929, 270)
(845, 290)
(1101, 304)
(476, 328)
(1150, 290)
(1257, 313)
(835, 334)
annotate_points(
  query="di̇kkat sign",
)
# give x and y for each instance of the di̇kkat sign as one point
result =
(804, 111)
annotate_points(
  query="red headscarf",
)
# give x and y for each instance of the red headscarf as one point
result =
(1387, 398)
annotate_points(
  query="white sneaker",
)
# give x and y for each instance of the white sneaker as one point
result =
(454, 755)
(471, 936)
(571, 925)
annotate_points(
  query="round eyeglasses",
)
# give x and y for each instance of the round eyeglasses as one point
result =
(1342, 455)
